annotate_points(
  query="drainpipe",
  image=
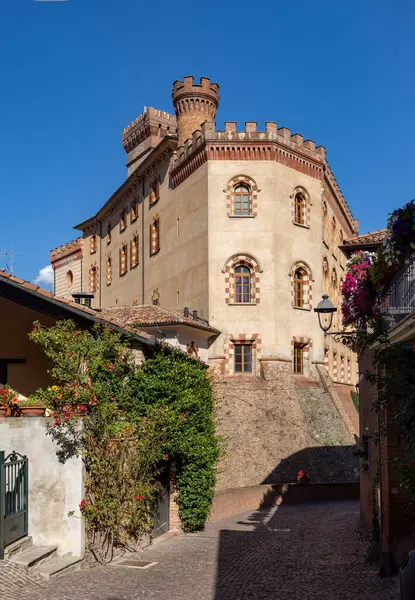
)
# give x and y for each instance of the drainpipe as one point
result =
(142, 245)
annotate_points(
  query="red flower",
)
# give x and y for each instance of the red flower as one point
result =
(82, 505)
(83, 407)
(139, 498)
(57, 422)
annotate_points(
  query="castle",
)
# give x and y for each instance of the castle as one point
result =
(239, 231)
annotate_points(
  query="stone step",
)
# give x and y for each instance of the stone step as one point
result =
(34, 555)
(17, 547)
(57, 566)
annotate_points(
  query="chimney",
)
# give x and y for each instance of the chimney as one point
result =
(186, 312)
(195, 315)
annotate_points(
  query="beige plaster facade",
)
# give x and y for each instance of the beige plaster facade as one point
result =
(188, 242)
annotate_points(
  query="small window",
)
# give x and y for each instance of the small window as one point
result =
(69, 279)
(123, 221)
(155, 298)
(123, 260)
(134, 252)
(109, 271)
(242, 285)
(134, 212)
(299, 209)
(155, 236)
(154, 191)
(93, 244)
(299, 288)
(109, 234)
(298, 358)
(242, 201)
(333, 232)
(243, 358)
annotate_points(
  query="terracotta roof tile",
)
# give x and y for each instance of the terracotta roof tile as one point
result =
(373, 237)
(147, 315)
(31, 287)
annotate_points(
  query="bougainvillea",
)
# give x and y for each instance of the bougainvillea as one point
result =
(359, 302)
(399, 241)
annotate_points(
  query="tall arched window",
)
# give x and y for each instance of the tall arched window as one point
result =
(109, 271)
(93, 278)
(299, 209)
(333, 232)
(325, 223)
(242, 284)
(242, 200)
(299, 288)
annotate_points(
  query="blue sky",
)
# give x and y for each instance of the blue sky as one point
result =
(75, 73)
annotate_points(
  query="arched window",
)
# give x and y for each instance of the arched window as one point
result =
(242, 200)
(93, 278)
(155, 235)
(109, 234)
(109, 271)
(299, 209)
(241, 196)
(301, 287)
(93, 244)
(333, 232)
(123, 259)
(299, 276)
(134, 251)
(243, 285)
(69, 279)
(325, 223)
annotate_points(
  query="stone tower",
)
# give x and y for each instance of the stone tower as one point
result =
(194, 104)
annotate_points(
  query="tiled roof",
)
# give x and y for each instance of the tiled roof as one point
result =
(374, 237)
(84, 311)
(148, 315)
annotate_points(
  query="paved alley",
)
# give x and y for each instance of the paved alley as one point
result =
(308, 552)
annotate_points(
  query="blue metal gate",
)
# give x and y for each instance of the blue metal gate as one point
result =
(14, 488)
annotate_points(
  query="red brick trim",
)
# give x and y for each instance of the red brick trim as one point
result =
(251, 183)
(229, 270)
(307, 283)
(93, 277)
(298, 189)
(229, 350)
(326, 358)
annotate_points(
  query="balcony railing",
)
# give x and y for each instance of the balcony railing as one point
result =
(399, 301)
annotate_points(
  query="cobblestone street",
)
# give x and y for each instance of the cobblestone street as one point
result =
(308, 552)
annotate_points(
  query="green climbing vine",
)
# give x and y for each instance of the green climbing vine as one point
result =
(129, 423)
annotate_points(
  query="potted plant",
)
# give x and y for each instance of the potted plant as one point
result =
(33, 406)
(9, 402)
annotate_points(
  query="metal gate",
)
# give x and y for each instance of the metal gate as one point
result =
(13, 498)
(162, 510)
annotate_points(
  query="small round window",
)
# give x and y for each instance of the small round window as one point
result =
(69, 279)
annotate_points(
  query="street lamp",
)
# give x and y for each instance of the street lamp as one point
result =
(325, 307)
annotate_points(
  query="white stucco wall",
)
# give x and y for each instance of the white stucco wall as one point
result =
(55, 489)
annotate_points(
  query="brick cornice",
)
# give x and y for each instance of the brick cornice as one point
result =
(187, 163)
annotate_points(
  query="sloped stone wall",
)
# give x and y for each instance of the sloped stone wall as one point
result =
(275, 426)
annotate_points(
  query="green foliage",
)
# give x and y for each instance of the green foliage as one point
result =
(136, 421)
(355, 400)
(179, 389)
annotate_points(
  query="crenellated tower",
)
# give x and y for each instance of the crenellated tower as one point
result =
(194, 104)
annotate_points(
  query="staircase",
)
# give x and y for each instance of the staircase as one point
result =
(42, 560)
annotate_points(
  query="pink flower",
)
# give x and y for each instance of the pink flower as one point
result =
(139, 498)
(82, 505)
(93, 400)
(83, 407)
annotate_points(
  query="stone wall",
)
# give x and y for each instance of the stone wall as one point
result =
(272, 428)
(55, 489)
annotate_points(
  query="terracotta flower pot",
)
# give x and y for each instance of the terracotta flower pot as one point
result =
(32, 411)
(3, 411)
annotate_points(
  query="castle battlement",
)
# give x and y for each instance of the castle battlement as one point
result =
(151, 122)
(72, 247)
